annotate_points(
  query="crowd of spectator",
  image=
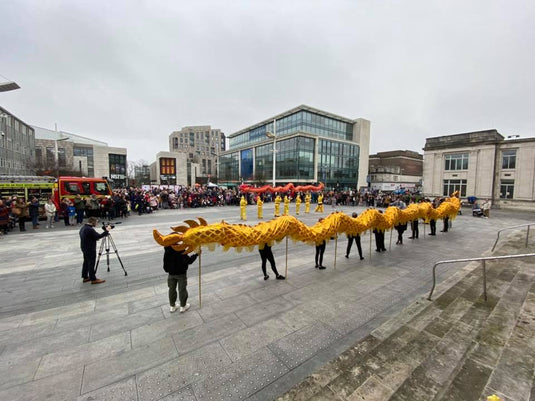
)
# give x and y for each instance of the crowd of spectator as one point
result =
(124, 202)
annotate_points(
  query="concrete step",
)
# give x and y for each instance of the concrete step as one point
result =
(457, 347)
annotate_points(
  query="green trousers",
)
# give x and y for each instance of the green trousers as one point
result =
(182, 281)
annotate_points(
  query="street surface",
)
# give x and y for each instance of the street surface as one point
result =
(251, 339)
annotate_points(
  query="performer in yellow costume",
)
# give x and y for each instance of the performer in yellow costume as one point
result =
(319, 208)
(243, 204)
(308, 198)
(297, 204)
(260, 205)
(286, 206)
(278, 206)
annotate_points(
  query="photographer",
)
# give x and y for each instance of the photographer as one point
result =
(88, 243)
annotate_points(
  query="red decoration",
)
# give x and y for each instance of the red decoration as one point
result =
(287, 188)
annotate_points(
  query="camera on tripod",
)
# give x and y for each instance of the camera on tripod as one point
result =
(105, 245)
(110, 223)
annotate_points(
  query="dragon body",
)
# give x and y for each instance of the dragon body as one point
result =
(192, 236)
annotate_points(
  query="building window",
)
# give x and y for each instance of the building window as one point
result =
(50, 156)
(39, 155)
(229, 167)
(456, 162)
(246, 164)
(507, 188)
(62, 160)
(509, 159)
(117, 168)
(167, 166)
(450, 186)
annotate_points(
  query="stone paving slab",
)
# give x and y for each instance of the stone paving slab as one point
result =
(105, 372)
(248, 340)
(190, 368)
(65, 386)
(46, 344)
(211, 312)
(263, 311)
(18, 372)
(91, 318)
(159, 329)
(129, 322)
(124, 390)
(214, 330)
(23, 334)
(73, 357)
(241, 379)
(300, 345)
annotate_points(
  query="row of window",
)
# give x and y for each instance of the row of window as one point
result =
(11, 121)
(459, 161)
(507, 188)
(302, 121)
(295, 160)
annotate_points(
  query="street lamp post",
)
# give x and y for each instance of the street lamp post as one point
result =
(8, 86)
(273, 135)
(56, 161)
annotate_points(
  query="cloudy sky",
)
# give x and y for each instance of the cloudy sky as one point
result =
(131, 72)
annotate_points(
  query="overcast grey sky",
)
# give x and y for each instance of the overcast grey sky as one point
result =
(131, 72)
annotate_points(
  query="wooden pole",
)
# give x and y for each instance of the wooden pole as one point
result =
(200, 265)
(370, 244)
(335, 249)
(286, 271)
(390, 246)
(424, 228)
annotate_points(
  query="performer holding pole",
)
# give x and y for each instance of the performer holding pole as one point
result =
(176, 264)
(260, 204)
(277, 205)
(286, 206)
(267, 255)
(297, 204)
(243, 211)
(308, 198)
(319, 208)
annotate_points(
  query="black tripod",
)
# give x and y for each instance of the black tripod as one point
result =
(105, 245)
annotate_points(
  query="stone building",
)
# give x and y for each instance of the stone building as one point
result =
(483, 164)
(171, 168)
(17, 145)
(67, 153)
(202, 145)
(396, 170)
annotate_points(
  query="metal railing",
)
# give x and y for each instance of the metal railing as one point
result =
(509, 228)
(483, 259)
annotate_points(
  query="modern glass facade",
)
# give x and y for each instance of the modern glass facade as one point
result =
(301, 121)
(310, 146)
(338, 162)
(86, 152)
(118, 170)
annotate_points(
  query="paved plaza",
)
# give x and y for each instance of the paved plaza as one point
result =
(61, 339)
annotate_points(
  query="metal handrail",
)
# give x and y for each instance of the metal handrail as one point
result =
(509, 228)
(482, 259)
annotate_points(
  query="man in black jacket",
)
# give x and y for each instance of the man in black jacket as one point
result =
(88, 243)
(176, 264)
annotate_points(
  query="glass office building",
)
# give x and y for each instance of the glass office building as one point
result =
(311, 146)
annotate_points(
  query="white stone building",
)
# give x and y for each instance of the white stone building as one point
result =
(481, 164)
